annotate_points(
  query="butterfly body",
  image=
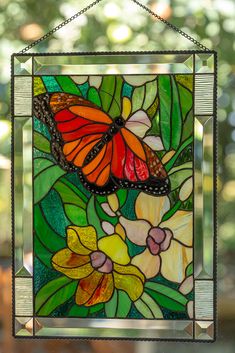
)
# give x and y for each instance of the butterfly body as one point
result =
(104, 152)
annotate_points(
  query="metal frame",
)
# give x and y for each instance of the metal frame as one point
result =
(88, 54)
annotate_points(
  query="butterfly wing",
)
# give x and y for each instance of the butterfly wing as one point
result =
(135, 165)
(76, 126)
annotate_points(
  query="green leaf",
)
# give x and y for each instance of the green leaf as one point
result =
(189, 270)
(151, 88)
(68, 195)
(93, 218)
(172, 161)
(49, 239)
(76, 214)
(138, 98)
(42, 253)
(179, 177)
(176, 116)
(57, 298)
(40, 164)
(188, 126)
(107, 89)
(170, 112)
(93, 96)
(123, 305)
(78, 311)
(166, 297)
(148, 307)
(41, 142)
(96, 308)
(75, 189)
(115, 108)
(111, 306)
(122, 196)
(45, 179)
(67, 85)
(38, 86)
(119, 305)
(49, 289)
(186, 100)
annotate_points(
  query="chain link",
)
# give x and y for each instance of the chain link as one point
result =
(87, 8)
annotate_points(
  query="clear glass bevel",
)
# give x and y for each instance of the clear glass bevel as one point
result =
(204, 63)
(23, 65)
(115, 328)
(23, 196)
(113, 64)
(203, 207)
(23, 326)
(204, 330)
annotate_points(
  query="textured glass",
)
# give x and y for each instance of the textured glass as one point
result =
(204, 94)
(203, 226)
(23, 195)
(204, 303)
(24, 296)
(22, 96)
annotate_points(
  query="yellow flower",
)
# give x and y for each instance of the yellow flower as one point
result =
(168, 245)
(99, 265)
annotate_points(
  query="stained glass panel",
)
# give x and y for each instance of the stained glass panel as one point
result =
(122, 193)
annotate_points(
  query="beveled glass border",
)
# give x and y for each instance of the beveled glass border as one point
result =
(198, 63)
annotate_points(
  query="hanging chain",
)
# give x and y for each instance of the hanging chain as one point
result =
(171, 26)
(62, 24)
(94, 3)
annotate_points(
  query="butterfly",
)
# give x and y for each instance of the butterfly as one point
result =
(104, 152)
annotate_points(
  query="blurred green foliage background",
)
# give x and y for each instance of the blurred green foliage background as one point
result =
(121, 25)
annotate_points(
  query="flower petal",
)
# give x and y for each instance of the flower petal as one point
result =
(139, 80)
(138, 123)
(190, 309)
(174, 261)
(120, 231)
(71, 264)
(151, 208)
(168, 156)
(107, 209)
(126, 107)
(149, 264)
(96, 288)
(187, 285)
(82, 240)
(186, 189)
(129, 279)
(108, 227)
(80, 79)
(181, 224)
(95, 81)
(154, 142)
(114, 247)
(113, 202)
(136, 231)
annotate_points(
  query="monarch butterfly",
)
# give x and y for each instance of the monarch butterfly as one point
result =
(104, 152)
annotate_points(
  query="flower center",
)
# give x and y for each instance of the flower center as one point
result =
(158, 240)
(101, 262)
